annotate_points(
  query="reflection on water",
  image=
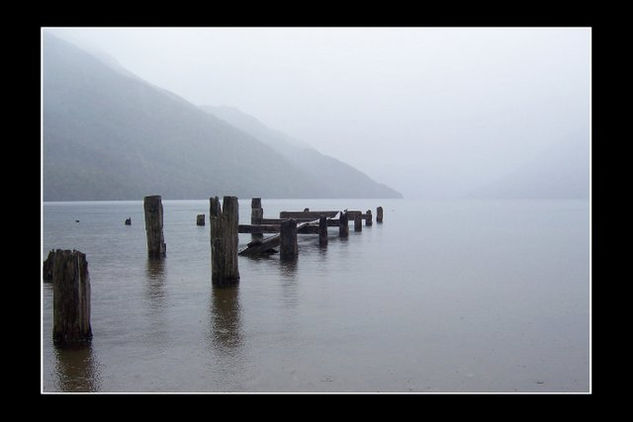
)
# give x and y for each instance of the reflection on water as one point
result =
(77, 369)
(155, 274)
(225, 320)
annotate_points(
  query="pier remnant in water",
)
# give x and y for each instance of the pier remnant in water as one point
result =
(153, 206)
(379, 215)
(358, 223)
(343, 228)
(288, 248)
(322, 230)
(47, 270)
(71, 298)
(200, 220)
(128, 221)
(368, 221)
(257, 213)
(223, 222)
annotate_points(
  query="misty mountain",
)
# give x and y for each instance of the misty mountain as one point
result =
(560, 171)
(107, 134)
(343, 180)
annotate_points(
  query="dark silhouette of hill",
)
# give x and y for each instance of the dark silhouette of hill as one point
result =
(109, 135)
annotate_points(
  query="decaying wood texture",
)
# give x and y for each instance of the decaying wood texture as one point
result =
(153, 207)
(323, 231)
(288, 248)
(71, 298)
(343, 228)
(223, 222)
(257, 213)
(267, 245)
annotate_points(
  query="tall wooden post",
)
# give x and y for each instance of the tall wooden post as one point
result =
(71, 298)
(358, 223)
(288, 248)
(323, 230)
(153, 206)
(368, 221)
(257, 213)
(223, 222)
(379, 215)
(343, 228)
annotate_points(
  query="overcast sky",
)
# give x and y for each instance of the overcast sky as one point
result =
(424, 110)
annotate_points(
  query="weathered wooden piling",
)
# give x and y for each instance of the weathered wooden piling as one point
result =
(288, 248)
(47, 270)
(323, 230)
(358, 223)
(343, 228)
(71, 298)
(379, 215)
(257, 214)
(200, 220)
(128, 221)
(223, 222)
(368, 221)
(153, 206)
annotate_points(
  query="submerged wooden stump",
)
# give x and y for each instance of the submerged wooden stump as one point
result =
(379, 215)
(358, 223)
(288, 248)
(71, 298)
(200, 220)
(153, 207)
(343, 228)
(128, 221)
(323, 230)
(223, 222)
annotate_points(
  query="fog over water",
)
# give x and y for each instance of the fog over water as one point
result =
(430, 112)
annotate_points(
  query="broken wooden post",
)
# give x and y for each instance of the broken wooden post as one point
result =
(128, 221)
(343, 228)
(322, 230)
(288, 248)
(358, 223)
(379, 215)
(306, 210)
(47, 270)
(368, 218)
(223, 222)
(257, 214)
(71, 298)
(153, 206)
(200, 220)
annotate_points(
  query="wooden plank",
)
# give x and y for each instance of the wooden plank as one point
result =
(307, 214)
(258, 228)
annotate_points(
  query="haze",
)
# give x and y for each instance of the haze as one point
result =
(430, 112)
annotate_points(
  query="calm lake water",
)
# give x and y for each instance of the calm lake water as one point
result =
(444, 296)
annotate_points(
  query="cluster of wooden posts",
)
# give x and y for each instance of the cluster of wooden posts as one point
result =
(68, 270)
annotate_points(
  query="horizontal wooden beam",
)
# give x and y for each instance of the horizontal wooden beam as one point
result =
(307, 214)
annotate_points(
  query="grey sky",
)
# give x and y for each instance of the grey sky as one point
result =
(427, 111)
